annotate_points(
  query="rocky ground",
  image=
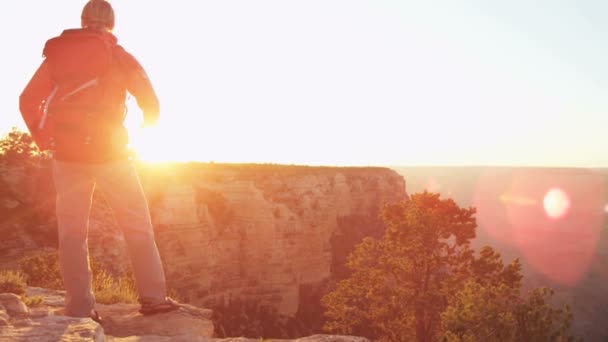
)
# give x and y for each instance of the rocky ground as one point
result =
(121, 323)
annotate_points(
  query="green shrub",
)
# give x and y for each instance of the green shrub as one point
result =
(42, 271)
(109, 290)
(250, 318)
(12, 282)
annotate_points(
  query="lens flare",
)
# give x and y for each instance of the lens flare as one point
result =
(556, 203)
(547, 218)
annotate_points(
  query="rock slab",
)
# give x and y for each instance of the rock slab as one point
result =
(121, 323)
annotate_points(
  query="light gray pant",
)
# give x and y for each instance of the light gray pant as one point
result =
(74, 184)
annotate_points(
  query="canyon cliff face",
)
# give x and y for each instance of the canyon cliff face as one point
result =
(261, 232)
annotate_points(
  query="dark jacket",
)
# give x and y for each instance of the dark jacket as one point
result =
(109, 136)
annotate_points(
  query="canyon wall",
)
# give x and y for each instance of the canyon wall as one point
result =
(263, 232)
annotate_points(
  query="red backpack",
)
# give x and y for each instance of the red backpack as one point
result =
(79, 62)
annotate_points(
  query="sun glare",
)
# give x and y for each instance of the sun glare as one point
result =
(538, 213)
(556, 203)
(155, 145)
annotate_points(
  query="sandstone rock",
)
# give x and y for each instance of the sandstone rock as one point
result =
(122, 323)
(178, 207)
(316, 338)
(54, 298)
(52, 329)
(185, 338)
(193, 339)
(332, 338)
(123, 320)
(262, 235)
(19, 322)
(251, 232)
(13, 304)
(3, 316)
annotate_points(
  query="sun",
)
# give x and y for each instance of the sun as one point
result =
(556, 203)
(147, 146)
(157, 145)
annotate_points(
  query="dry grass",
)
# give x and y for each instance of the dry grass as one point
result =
(12, 282)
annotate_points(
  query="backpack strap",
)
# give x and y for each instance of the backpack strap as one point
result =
(45, 109)
(80, 88)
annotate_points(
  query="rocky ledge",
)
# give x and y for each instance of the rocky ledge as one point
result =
(121, 322)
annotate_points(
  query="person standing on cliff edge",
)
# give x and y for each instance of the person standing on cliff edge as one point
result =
(74, 107)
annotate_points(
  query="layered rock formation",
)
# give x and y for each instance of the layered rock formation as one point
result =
(262, 232)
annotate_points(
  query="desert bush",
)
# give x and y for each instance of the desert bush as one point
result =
(111, 290)
(12, 282)
(42, 271)
(251, 318)
(33, 301)
(18, 148)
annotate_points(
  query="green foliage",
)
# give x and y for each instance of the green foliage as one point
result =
(12, 282)
(351, 230)
(422, 282)
(42, 271)
(250, 318)
(109, 290)
(499, 313)
(481, 313)
(489, 269)
(18, 147)
(399, 283)
(29, 187)
(537, 320)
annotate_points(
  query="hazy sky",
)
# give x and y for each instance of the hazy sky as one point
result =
(351, 82)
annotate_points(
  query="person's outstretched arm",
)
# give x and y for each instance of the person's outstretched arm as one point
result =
(139, 85)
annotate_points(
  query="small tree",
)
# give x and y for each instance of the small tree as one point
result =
(18, 147)
(421, 281)
(12, 282)
(499, 313)
(537, 320)
(400, 284)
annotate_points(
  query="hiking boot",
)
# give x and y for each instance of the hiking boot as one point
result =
(95, 316)
(151, 309)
